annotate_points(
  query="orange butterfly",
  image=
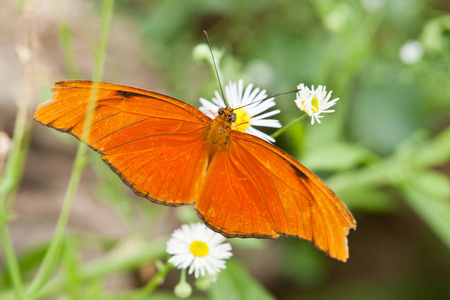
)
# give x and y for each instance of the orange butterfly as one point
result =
(170, 153)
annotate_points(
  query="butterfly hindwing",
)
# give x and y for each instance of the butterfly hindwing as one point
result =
(255, 189)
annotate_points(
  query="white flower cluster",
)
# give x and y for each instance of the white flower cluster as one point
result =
(314, 102)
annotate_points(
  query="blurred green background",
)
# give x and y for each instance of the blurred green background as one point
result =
(385, 151)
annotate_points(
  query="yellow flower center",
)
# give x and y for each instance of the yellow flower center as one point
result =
(314, 105)
(199, 248)
(242, 120)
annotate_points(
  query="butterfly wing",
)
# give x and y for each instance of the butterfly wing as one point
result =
(254, 189)
(153, 142)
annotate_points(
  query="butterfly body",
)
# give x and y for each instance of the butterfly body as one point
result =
(218, 133)
(172, 154)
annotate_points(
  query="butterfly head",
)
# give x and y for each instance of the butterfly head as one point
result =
(227, 114)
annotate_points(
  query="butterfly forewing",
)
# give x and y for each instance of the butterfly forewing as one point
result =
(153, 142)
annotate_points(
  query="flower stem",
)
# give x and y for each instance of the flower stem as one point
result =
(52, 256)
(156, 281)
(183, 276)
(11, 260)
(8, 186)
(284, 128)
(14, 166)
(114, 262)
(10, 179)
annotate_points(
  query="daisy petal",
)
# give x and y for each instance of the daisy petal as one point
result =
(252, 104)
(314, 102)
(182, 246)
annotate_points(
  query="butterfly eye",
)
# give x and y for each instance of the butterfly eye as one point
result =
(232, 118)
(220, 112)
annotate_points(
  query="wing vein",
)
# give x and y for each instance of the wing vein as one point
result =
(137, 94)
(260, 190)
(117, 130)
(145, 137)
(281, 203)
(323, 188)
(102, 119)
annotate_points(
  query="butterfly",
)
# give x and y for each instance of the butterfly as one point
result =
(171, 153)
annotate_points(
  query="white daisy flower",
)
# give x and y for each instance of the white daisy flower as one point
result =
(314, 101)
(199, 248)
(248, 116)
(411, 52)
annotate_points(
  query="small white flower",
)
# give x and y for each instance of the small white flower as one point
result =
(373, 6)
(248, 116)
(199, 248)
(314, 101)
(411, 52)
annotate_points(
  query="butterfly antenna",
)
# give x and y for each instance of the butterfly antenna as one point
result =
(268, 97)
(215, 66)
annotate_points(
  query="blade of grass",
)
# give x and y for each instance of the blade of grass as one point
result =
(48, 265)
(10, 179)
(8, 187)
(116, 261)
(65, 39)
(126, 256)
(11, 261)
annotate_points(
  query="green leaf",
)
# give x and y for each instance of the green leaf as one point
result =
(71, 266)
(338, 156)
(158, 295)
(249, 243)
(236, 283)
(429, 195)
(28, 261)
(302, 264)
(368, 199)
(437, 152)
